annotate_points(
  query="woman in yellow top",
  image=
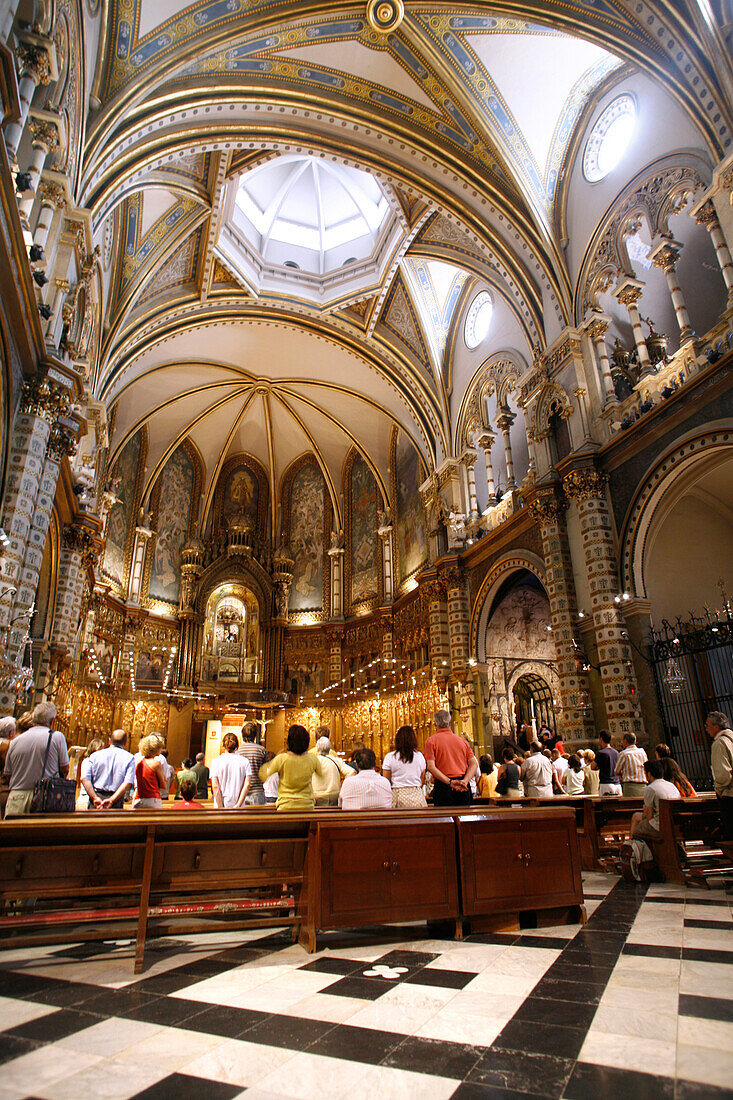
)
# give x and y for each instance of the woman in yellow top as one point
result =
(295, 769)
(488, 777)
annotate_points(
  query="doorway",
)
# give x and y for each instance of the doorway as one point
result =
(533, 702)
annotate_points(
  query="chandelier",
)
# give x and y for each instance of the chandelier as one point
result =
(674, 677)
(16, 670)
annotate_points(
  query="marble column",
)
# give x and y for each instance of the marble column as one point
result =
(75, 549)
(458, 620)
(576, 712)
(485, 440)
(143, 536)
(35, 70)
(439, 632)
(597, 329)
(52, 198)
(385, 534)
(45, 141)
(587, 489)
(665, 256)
(504, 423)
(468, 459)
(336, 554)
(707, 216)
(628, 293)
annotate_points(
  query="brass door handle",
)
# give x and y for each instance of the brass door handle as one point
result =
(197, 861)
(395, 867)
(386, 865)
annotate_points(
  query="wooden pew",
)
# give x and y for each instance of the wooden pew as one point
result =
(691, 848)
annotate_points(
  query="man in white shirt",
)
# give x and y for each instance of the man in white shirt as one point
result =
(630, 767)
(537, 774)
(366, 790)
(108, 774)
(231, 775)
(721, 761)
(637, 858)
(559, 767)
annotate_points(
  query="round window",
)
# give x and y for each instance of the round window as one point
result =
(478, 319)
(609, 138)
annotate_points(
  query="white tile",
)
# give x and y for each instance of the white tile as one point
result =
(173, 1046)
(650, 1056)
(14, 1013)
(637, 978)
(386, 1083)
(324, 1006)
(382, 1016)
(650, 965)
(497, 982)
(706, 979)
(419, 996)
(708, 912)
(238, 1063)
(621, 998)
(709, 939)
(271, 997)
(41, 1067)
(112, 1079)
(700, 1063)
(313, 1077)
(110, 1038)
(640, 1023)
(717, 1034)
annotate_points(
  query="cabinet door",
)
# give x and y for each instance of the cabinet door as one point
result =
(492, 864)
(423, 881)
(550, 862)
(355, 877)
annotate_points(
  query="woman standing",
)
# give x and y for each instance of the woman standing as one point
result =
(508, 782)
(488, 778)
(150, 778)
(295, 768)
(405, 769)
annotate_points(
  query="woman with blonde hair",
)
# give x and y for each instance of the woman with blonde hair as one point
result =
(82, 802)
(405, 769)
(149, 775)
(591, 775)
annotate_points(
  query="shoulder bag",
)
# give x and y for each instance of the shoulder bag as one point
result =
(53, 795)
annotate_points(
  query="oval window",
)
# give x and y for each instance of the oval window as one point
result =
(478, 319)
(609, 138)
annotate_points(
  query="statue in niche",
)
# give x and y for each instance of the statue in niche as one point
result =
(337, 540)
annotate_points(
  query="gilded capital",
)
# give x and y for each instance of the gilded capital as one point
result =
(34, 62)
(597, 330)
(62, 441)
(666, 258)
(629, 296)
(51, 194)
(548, 508)
(707, 216)
(587, 484)
(44, 133)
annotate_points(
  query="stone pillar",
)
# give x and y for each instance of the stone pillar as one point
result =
(628, 293)
(665, 256)
(143, 536)
(385, 537)
(334, 656)
(576, 712)
(336, 554)
(36, 69)
(597, 329)
(62, 288)
(75, 547)
(439, 634)
(504, 423)
(282, 577)
(468, 458)
(458, 623)
(52, 198)
(587, 489)
(707, 216)
(192, 564)
(45, 141)
(485, 440)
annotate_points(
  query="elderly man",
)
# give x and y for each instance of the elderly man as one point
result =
(537, 774)
(326, 787)
(108, 774)
(366, 790)
(630, 767)
(718, 728)
(25, 757)
(451, 763)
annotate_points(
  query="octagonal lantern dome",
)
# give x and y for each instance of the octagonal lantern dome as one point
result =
(310, 229)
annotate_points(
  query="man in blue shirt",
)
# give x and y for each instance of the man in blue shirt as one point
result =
(108, 774)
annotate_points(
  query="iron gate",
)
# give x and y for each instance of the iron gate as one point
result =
(693, 672)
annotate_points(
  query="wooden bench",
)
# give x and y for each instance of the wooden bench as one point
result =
(691, 848)
(101, 876)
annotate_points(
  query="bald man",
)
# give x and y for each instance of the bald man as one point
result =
(107, 775)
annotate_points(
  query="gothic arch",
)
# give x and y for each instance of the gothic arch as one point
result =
(512, 562)
(498, 374)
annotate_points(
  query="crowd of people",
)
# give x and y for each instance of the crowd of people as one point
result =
(446, 773)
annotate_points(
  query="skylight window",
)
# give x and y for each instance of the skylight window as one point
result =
(609, 139)
(478, 320)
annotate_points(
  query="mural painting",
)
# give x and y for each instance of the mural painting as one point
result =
(150, 669)
(241, 494)
(364, 548)
(176, 492)
(307, 499)
(412, 543)
(124, 478)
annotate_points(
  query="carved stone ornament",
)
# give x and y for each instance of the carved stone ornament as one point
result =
(45, 399)
(51, 194)
(587, 484)
(62, 441)
(44, 133)
(452, 577)
(77, 539)
(548, 508)
(707, 215)
(34, 61)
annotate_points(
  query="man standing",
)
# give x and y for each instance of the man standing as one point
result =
(606, 759)
(202, 777)
(255, 754)
(630, 767)
(24, 760)
(366, 790)
(231, 775)
(108, 774)
(717, 726)
(169, 771)
(537, 774)
(559, 766)
(451, 763)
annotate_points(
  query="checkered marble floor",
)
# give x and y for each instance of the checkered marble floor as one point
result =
(638, 1004)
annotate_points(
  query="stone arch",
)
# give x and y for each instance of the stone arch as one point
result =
(545, 672)
(512, 562)
(552, 399)
(498, 374)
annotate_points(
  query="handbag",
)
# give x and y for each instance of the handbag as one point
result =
(53, 795)
(502, 783)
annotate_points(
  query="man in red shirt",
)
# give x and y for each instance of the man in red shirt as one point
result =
(451, 763)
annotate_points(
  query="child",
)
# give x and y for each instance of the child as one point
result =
(188, 796)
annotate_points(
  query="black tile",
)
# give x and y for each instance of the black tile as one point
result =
(357, 1044)
(12, 1046)
(559, 1042)
(706, 1008)
(707, 955)
(652, 951)
(444, 979)
(507, 938)
(411, 959)
(65, 994)
(580, 970)
(442, 1059)
(588, 956)
(598, 943)
(117, 1002)
(166, 1011)
(179, 1086)
(543, 1011)
(698, 922)
(200, 969)
(694, 1090)
(24, 986)
(290, 1032)
(469, 1090)
(558, 989)
(222, 1020)
(680, 901)
(605, 1083)
(557, 943)
(328, 965)
(170, 982)
(54, 1026)
(538, 1074)
(367, 989)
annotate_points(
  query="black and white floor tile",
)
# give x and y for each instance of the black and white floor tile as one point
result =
(637, 1004)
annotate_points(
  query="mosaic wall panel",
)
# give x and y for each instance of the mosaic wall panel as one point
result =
(364, 542)
(176, 495)
(119, 517)
(412, 542)
(307, 501)
(241, 494)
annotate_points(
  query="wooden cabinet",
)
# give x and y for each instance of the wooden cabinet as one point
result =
(390, 871)
(511, 861)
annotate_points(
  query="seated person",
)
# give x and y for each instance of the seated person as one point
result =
(366, 790)
(187, 789)
(573, 779)
(295, 768)
(186, 772)
(637, 859)
(673, 773)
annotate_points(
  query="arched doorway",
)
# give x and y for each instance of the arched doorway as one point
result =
(231, 636)
(533, 701)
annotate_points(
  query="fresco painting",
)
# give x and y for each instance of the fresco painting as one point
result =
(412, 542)
(307, 500)
(241, 494)
(176, 492)
(124, 477)
(364, 541)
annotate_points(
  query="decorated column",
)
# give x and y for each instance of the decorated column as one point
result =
(485, 440)
(707, 216)
(587, 489)
(143, 535)
(384, 531)
(282, 577)
(45, 140)
(665, 256)
(192, 564)
(468, 459)
(38, 65)
(576, 714)
(628, 293)
(52, 198)
(439, 635)
(597, 328)
(504, 423)
(458, 632)
(336, 554)
(333, 637)
(76, 547)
